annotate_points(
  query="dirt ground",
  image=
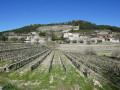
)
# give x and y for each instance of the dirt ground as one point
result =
(100, 49)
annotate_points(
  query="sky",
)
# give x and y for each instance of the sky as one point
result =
(18, 13)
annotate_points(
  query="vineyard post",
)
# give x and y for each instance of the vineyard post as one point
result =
(66, 69)
(97, 69)
(16, 59)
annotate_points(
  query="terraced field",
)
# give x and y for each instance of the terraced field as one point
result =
(52, 69)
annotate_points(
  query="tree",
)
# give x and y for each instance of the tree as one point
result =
(53, 36)
(74, 41)
(99, 41)
(42, 34)
(21, 39)
(3, 38)
(14, 39)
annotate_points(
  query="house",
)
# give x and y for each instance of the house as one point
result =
(76, 37)
(71, 36)
(94, 39)
(101, 38)
(34, 33)
(113, 40)
(32, 39)
(67, 35)
(83, 38)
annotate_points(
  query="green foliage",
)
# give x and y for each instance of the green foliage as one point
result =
(93, 41)
(83, 25)
(26, 29)
(66, 41)
(22, 40)
(40, 78)
(99, 41)
(3, 38)
(9, 87)
(53, 36)
(42, 34)
(88, 42)
(81, 41)
(54, 39)
(14, 39)
(74, 31)
(74, 41)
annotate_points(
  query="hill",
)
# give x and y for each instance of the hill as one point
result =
(83, 25)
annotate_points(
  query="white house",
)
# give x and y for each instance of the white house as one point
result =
(101, 38)
(34, 33)
(36, 38)
(75, 36)
(72, 36)
(67, 35)
(94, 39)
(117, 41)
(114, 40)
(83, 38)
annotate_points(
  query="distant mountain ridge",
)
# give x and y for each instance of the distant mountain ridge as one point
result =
(83, 25)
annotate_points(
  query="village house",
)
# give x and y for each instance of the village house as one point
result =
(94, 39)
(71, 36)
(36, 38)
(101, 38)
(75, 36)
(113, 40)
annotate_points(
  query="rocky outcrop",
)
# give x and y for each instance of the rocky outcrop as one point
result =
(58, 28)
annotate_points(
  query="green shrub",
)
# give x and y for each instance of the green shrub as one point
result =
(14, 39)
(81, 41)
(9, 87)
(42, 34)
(54, 39)
(99, 41)
(74, 41)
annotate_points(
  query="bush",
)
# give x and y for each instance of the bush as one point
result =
(21, 39)
(54, 39)
(9, 87)
(74, 41)
(3, 38)
(99, 41)
(88, 42)
(67, 41)
(42, 34)
(14, 39)
(93, 41)
(81, 41)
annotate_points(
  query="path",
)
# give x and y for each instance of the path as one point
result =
(1, 86)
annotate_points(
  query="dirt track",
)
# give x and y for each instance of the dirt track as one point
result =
(1, 87)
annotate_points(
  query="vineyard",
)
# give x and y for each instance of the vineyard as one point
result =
(35, 67)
